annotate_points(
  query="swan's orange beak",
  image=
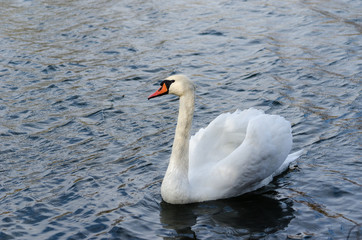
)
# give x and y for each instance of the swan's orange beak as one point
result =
(161, 91)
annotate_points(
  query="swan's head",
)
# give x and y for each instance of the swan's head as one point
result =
(178, 85)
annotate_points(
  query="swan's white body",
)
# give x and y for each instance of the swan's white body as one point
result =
(236, 153)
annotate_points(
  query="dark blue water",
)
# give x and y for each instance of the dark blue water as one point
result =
(83, 153)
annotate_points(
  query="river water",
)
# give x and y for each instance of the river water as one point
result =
(83, 153)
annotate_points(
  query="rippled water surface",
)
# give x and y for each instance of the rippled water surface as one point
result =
(83, 153)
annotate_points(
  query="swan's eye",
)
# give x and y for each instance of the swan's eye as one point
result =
(167, 83)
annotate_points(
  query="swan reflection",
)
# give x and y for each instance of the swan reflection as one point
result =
(249, 214)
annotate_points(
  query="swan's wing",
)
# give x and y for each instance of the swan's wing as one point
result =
(221, 137)
(251, 165)
(291, 157)
(267, 144)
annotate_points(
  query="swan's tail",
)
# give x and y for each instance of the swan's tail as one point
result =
(291, 157)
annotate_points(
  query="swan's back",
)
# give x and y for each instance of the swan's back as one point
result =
(236, 152)
(222, 136)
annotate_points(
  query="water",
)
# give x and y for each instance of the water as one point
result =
(83, 152)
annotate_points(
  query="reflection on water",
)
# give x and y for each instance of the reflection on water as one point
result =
(250, 215)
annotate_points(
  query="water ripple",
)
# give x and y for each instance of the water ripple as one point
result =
(83, 152)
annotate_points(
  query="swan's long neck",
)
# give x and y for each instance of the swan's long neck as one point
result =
(180, 148)
(175, 186)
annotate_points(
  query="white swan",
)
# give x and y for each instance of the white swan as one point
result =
(236, 153)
